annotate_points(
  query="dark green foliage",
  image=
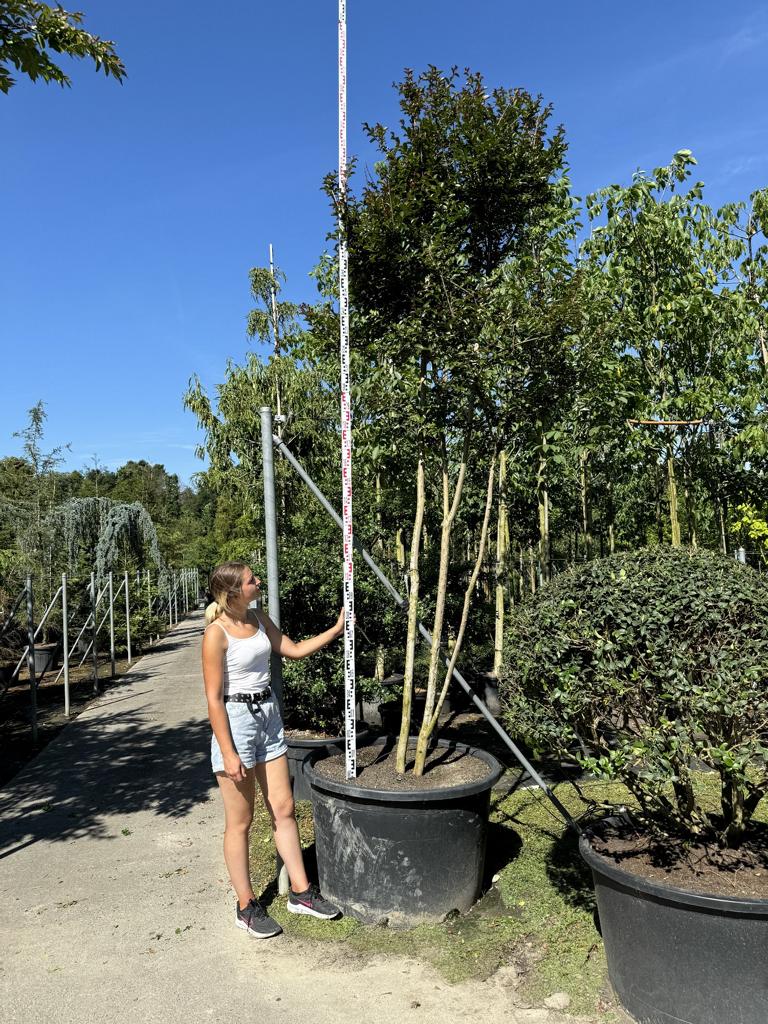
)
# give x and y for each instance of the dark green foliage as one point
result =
(29, 30)
(643, 665)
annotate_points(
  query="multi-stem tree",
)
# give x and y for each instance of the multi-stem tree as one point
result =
(459, 188)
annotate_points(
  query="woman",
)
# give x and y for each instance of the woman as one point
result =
(248, 743)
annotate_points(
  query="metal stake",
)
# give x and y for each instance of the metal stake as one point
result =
(31, 657)
(127, 617)
(273, 581)
(65, 641)
(112, 624)
(94, 613)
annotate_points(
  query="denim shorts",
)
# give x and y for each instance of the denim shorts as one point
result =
(257, 732)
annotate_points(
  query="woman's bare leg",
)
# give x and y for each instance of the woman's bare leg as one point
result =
(238, 813)
(275, 782)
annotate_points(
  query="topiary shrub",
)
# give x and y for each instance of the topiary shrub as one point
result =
(645, 667)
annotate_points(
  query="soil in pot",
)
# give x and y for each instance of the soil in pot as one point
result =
(376, 769)
(679, 955)
(703, 866)
(302, 742)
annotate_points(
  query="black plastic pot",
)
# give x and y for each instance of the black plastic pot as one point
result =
(677, 957)
(409, 856)
(391, 714)
(299, 749)
(45, 657)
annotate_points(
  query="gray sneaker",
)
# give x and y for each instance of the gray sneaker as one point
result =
(312, 902)
(256, 921)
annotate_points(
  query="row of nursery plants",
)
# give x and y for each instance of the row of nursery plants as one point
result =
(523, 399)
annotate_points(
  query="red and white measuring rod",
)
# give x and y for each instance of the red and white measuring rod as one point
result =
(346, 420)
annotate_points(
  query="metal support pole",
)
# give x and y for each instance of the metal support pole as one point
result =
(176, 598)
(112, 624)
(402, 603)
(170, 603)
(65, 641)
(127, 617)
(273, 581)
(94, 613)
(31, 658)
(270, 527)
(149, 593)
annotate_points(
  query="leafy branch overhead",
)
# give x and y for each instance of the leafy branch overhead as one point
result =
(30, 31)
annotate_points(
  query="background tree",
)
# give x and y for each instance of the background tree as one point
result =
(29, 30)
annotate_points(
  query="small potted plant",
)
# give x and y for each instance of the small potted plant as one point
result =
(651, 669)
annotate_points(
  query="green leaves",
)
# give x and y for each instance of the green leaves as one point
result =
(28, 30)
(642, 665)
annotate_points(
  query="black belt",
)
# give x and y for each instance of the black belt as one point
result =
(248, 698)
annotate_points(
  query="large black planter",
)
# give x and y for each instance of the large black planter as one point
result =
(404, 855)
(299, 749)
(677, 957)
(391, 714)
(45, 657)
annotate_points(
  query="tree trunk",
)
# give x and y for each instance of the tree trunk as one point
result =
(723, 541)
(691, 510)
(430, 723)
(522, 573)
(413, 617)
(400, 548)
(531, 569)
(543, 502)
(674, 521)
(586, 509)
(450, 508)
(502, 553)
(718, 505)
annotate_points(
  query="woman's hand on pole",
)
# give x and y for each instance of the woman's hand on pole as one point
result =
(339, 627)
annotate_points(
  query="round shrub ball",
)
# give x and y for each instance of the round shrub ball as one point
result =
(644, 667)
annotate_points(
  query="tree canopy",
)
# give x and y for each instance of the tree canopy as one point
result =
(30, 31)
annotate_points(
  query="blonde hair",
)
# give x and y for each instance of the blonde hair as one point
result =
(226, 582)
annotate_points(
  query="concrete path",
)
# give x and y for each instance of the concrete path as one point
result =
(114, 902)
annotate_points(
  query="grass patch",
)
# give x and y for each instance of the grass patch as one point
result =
(538, 916)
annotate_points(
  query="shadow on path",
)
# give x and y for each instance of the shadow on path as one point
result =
(116, 761)
(87, 776)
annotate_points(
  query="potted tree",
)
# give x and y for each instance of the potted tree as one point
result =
(651, 669)
(461, 188)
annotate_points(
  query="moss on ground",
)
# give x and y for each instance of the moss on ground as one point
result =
(538, 916)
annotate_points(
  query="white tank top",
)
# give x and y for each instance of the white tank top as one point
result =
(246, 662)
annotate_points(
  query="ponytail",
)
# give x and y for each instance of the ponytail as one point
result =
(212, 612)
(226, 581)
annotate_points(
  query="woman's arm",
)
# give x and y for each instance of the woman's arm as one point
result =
(287, 648)
(214, 646)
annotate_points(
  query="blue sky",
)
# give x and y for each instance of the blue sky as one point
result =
(132, 213)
